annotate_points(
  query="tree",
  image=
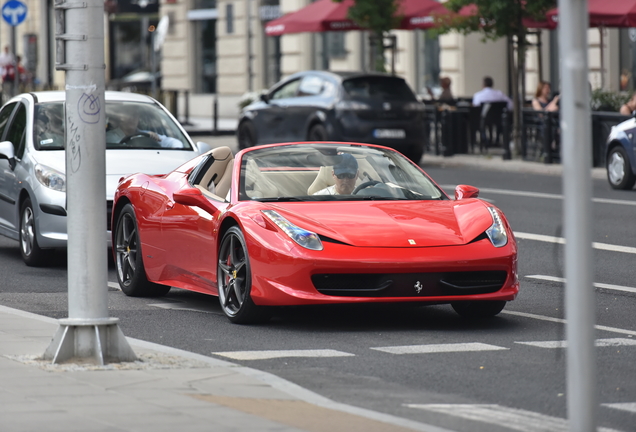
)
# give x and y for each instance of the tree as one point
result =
(379, 16)
(495, 19)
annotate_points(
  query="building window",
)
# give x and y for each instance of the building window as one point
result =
(229, 18)
(206, 56)
(336, 43)
(268, 11)
(627, 59)
(130, 44)
(428, 66)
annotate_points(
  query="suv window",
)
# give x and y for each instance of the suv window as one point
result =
(378, 87)
(289, 90)
(310, 86)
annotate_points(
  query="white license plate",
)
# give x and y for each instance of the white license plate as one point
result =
(389, 133)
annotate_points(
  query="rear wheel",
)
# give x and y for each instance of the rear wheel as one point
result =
(619, 170)
(128, 259)
(317, 133)
(235, 280)
(246, 135)
(478, 309)
(32, 254)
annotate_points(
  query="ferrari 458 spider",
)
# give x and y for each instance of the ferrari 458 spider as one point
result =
(311, 223)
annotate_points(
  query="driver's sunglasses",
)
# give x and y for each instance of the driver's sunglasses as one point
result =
(347, 176)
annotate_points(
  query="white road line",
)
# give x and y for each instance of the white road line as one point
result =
(176, 306)
(597, 285)
(271, 354)
(439, 348)
(626, 406)
(613, 342)
(114, 285)
(561, 240)
(562, 321)
(511, 418)
(544, 195)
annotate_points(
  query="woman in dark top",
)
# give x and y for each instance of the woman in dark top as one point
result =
(542, 98)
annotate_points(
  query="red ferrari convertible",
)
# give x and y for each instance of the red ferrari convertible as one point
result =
(311, 223)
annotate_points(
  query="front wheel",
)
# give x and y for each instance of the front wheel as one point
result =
(234, 278)
(317, 133)
(32, 254)
(131, 274)
(619, 170)
(478, 309)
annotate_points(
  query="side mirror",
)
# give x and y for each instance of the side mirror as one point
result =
(465, 191)
(193, 197)
(203, 147)
(264, 97)
(7, 152)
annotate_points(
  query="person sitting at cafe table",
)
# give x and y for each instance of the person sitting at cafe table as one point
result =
(543, 100)
(446, 95)
(629, 107)
(488, 94)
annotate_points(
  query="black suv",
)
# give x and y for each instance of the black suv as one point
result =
(329, 106)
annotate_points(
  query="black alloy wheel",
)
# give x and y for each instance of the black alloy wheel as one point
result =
(317, 133)
(32, 254)
(131, 274)
(235, 280)
(619, 170)
(478, 309)
(246, 135)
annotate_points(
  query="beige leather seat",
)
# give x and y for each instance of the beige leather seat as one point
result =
(323, 179)
(218, 178)
(256, 184)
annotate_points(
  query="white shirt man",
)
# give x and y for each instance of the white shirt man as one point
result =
(488, 94)
(345, 174)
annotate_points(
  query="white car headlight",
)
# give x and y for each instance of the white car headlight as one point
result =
(304, 238)
(497, 231)
(51, 178)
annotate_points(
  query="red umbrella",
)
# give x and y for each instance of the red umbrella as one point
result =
(606, 13)
(326, 15)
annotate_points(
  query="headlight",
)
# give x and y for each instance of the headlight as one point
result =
(51, 178)
(304, 238)
(497, 231)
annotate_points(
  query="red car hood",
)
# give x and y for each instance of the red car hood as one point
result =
(392, 224)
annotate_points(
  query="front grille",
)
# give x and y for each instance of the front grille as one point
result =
(109, 213)
(409, 284)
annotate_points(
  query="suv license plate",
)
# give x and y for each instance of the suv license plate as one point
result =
(389, 133)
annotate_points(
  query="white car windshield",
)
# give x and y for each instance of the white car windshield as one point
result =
(332, 171)
(129, 125)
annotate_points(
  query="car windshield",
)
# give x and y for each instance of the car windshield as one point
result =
(332, 172)
(378, 87)
(129, 125)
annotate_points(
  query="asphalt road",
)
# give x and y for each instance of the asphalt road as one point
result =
(422, 363)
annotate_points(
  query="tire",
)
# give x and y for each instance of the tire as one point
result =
(234, 278)
(478, 309)
(32, 254)
(246, 135)
(619, 170)
(317, 133)
(131, 274)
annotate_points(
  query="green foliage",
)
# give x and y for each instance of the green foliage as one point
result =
(380, 17)
(608, 101)
(495, 18)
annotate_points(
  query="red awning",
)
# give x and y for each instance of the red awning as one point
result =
(326, 15)
(606, 13)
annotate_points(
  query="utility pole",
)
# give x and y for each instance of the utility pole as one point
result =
(577, 215)
(88, 334)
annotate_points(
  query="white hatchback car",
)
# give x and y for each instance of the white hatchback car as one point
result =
(32, 161)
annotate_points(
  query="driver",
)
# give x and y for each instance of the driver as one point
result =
(129, 126)
(345, 174)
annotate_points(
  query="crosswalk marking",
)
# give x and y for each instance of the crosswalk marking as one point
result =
(626, 406)
(511, 418)
(597, 285)
(598, 343)
(439, 348)
(562, 321)
(561, 240)
(271, 354)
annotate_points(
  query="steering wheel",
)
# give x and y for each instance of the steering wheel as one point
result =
(127, 138)
(365, 185)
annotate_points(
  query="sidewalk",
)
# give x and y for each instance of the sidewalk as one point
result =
(168, 390)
